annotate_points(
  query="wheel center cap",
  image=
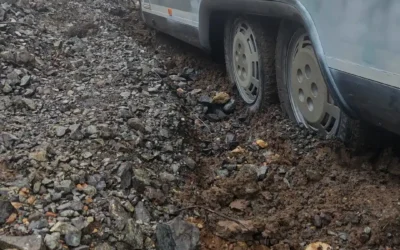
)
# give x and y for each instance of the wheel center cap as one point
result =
(241, 61)
(308, 89)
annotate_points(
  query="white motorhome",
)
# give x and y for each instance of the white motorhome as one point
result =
(330, 62)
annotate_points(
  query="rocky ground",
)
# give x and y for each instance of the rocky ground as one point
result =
(113, 136)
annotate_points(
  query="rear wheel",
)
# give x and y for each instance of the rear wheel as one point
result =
(303, 93)
(250, 58)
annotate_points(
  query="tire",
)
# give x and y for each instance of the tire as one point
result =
(352, 132)
(263, 41)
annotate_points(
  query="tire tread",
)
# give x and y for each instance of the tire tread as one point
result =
(266, 44)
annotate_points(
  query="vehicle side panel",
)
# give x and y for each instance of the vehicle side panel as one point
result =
(355, 42)
(179, 18)
(360, 37)
(361, 45)
(184, 11)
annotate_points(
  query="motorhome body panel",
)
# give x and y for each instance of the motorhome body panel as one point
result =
(356, 42)
(361, 45)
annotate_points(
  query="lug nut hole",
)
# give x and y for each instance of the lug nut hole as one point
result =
(301, 95)
(314, 89)
(310, 104)
(308, 71)
(300, 76)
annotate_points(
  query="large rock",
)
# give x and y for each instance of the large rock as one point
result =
(73, 238)
(32, 242)
(8, 56)
(13, 77)
(221, 98)
(63, 228)
(141, 213)
(65, 186)
(91, 130)
(61, 131)
(177, 235)
(25, 80)
(79, 222)
(243, 231)
(52, 241)
(231, 140)
(76, 133)
(190, 163)
(39, 224)
(133, 235)
(6, 209)
(5, 102)
(24, 57)
(125, 173)
(76, 206)
(230, 106)
(96, 180)
(167, 177)
(29, 103)
(7, 88)
(117, 211)
(140, 180)
(155, 195)
(90, 190)
(7, 139)
(40, 155)
(136, 124)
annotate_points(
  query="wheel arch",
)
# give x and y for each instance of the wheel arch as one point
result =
(286, 10)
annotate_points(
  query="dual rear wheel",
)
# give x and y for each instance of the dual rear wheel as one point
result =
(266, 62)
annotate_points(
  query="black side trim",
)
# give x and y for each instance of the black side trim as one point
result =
(286, 9)
(373, 102)
(176, 29)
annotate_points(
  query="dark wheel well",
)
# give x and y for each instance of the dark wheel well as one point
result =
(216, 34)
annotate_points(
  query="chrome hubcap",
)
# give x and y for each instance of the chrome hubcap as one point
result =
(246, 63)
(309, 95)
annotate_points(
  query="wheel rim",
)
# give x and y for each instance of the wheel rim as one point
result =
(246, 66)
(311, 102)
